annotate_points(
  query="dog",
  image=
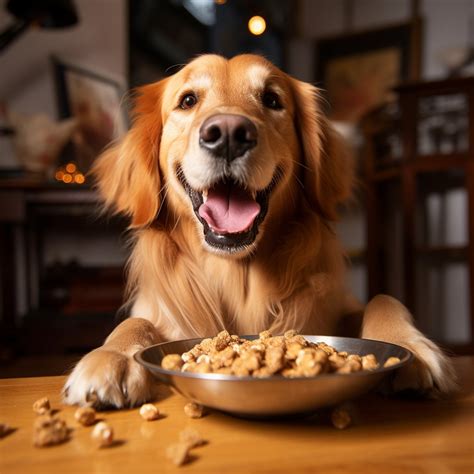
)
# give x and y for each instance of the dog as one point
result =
(231, 177)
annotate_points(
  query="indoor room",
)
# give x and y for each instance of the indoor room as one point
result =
(253, 220)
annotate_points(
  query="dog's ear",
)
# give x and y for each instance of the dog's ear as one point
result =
(327, 166)
(127, 174)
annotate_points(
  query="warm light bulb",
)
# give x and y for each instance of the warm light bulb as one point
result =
(257, 25)
(79, 178)
(59, 175)
(71, 167)
(67, 178)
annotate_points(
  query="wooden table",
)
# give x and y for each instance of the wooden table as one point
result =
(388, 436)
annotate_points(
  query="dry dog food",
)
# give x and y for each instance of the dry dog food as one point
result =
(193, 410)
(149, 412)
(391, 361)
(191, 438)
(178, 453)
(340, 418)
(290, 355)
(42, 406)
(85, 416)
(103, 434)
(49, 430)
(4, 430)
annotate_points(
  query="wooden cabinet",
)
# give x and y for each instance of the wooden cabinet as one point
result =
(419, 176)
(61, 268)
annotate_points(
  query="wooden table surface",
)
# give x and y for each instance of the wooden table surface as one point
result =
(388, 436)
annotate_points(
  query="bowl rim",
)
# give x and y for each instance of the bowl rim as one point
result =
(138, 356)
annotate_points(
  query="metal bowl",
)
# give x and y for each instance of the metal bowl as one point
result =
(276, 395)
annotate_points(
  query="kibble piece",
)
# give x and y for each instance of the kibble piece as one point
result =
(178, 453)
(189, 367)
(186, 357)
(191, 438)
(85, 416)
(274, 359)
(172, 362)
(292, 350)
(4, 429)
(206, 344)
(149, 412)
(203, 368)
(42, 406)
(350, 366)
(222, 340)
(103, 434)
(49, 430)
(369, 362)
(193, 410)
(290, 333)
(340, 418)
(391, 361)
(336, 361)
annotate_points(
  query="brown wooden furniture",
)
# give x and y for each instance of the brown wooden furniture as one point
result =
(419, 163)
(60, 305)
(388, 436)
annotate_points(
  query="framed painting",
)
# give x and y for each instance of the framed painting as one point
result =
(96, 102)
(358, 71)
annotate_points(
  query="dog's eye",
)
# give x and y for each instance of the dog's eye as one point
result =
(271, 100)
(188, 101)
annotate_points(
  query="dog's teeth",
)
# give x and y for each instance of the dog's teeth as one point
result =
(254, 195)
(204, 196)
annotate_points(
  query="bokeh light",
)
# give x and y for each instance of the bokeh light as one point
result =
(257, 25)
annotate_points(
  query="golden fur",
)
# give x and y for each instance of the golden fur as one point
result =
(291, 276)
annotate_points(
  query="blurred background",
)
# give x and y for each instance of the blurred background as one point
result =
(398, 79)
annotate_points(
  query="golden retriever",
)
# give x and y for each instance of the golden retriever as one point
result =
(231, 178)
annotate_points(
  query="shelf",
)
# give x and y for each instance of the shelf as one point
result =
(420, 165)
(455, 253)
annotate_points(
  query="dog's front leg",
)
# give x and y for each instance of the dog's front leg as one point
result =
(386, 319)
(109, 376)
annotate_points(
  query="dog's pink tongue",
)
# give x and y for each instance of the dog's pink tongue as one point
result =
(229, 209)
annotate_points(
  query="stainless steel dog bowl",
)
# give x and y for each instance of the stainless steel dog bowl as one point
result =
(276, 395)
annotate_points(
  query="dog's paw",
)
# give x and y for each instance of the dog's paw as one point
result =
(105, 378)
(431, 373)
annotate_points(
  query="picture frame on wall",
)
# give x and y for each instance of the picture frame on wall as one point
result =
(96, 101)
(358, 71)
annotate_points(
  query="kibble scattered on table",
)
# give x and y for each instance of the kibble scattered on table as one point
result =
(49, 430)
(85, 416)
(149, 412)
(341, 418)
(178, 453)
(103, 434)
(193, 410)
(4, 429)
(42, 406)
(191, 437)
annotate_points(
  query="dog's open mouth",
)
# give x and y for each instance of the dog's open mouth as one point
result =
(230, 214)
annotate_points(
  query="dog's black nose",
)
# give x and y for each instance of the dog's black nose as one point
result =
(227, 135)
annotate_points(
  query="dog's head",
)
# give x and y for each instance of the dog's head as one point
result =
(230, 144)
